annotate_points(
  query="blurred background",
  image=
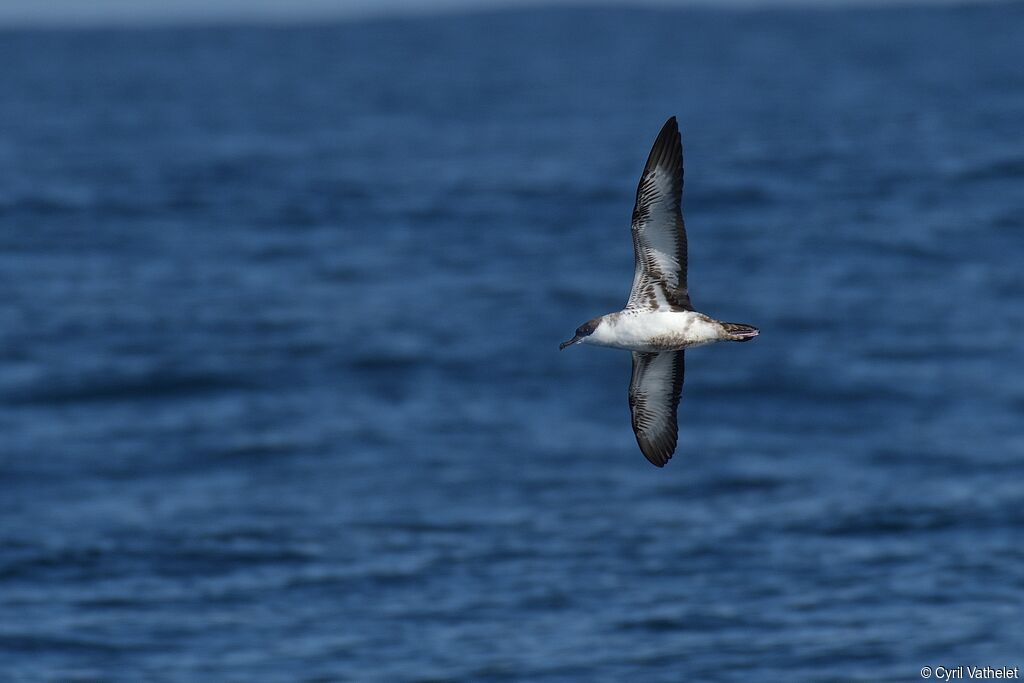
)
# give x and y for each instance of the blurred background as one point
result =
(281, 291)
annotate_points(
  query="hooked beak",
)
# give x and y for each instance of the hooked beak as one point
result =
(575, 340)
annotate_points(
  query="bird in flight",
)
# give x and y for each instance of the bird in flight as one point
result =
(658, 322)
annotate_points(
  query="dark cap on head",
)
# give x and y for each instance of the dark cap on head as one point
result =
(587, 328)
(584, 330)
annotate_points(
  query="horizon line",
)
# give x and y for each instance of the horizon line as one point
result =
(264, 15)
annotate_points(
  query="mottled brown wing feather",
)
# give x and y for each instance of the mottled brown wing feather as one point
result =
(654, 392)
(659, 234)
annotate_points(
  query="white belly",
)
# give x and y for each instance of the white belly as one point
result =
(655, 330)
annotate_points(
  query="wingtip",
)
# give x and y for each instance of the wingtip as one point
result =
(656, 455)
(658, 461)
(667, 148)
(671, 126)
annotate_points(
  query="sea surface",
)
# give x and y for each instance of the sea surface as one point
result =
(280, 390)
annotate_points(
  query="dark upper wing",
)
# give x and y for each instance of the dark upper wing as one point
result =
(654, 392)
(659, 235)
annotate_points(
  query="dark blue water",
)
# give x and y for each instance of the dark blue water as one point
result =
(280, 390)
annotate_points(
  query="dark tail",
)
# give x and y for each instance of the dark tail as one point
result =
(739, 331)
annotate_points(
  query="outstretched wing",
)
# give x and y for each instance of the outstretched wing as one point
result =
(659, 235)
(654, 392)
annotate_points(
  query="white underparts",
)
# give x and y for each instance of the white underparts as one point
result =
(651, 331)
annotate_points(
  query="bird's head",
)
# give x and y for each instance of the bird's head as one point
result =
(582, 332)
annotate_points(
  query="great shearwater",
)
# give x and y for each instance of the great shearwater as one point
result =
(659, 321)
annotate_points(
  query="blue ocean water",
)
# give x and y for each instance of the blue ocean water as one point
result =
(280, 390)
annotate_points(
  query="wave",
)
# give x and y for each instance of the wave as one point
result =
(155, 386)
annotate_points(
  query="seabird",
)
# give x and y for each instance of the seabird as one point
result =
(658, 322)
